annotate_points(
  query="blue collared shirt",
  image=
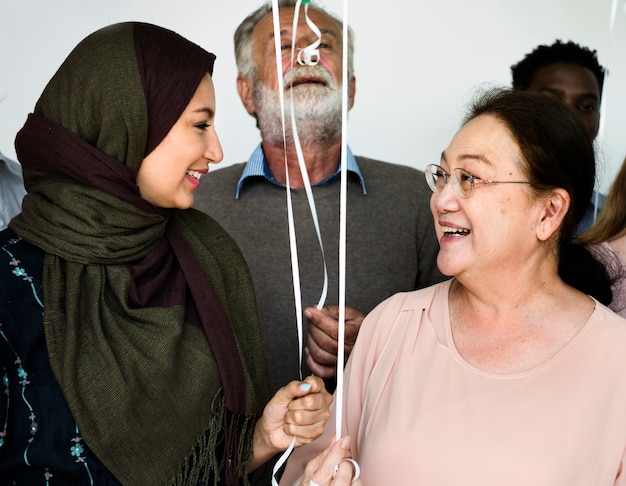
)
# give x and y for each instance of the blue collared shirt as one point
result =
(257, 167)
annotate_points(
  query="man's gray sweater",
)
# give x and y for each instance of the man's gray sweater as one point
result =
(391, 245)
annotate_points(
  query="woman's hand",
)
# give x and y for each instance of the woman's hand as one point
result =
(333, 467)
(299, 409)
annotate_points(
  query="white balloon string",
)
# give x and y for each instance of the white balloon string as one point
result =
(612, 22)
(606, 91)
(292, 245)
(612, 17)
(310, 55)
(342, 225)
(307, 185)
(301, 162)
(282, 459)
(295, 267)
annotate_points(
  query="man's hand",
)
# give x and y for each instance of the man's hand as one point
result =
(322, 337)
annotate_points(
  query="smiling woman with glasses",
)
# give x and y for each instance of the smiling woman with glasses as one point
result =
(511, 372)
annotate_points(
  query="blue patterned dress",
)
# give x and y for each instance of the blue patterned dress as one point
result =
(40, 443)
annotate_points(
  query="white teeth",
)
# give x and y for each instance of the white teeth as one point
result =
(449, 230)
(194, 173)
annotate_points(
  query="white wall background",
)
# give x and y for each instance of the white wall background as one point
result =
(417, 62)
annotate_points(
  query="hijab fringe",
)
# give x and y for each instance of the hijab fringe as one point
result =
(202, 466)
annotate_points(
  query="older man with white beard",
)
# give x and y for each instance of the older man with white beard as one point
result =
(391, 242)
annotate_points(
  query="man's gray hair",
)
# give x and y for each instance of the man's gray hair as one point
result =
(244, 42)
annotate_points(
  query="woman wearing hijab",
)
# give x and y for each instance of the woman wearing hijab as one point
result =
(129, 345)
(512, 372)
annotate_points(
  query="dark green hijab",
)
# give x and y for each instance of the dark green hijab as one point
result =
(149, 315)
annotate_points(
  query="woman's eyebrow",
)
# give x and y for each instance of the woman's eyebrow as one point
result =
(209, 111)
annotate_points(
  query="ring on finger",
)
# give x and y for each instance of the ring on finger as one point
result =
(355, 465)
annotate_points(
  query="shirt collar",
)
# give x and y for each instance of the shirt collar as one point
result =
(257, 167)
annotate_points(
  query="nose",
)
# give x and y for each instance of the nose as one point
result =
(213, 150)
(303, 52)
(446, 200)
(305, 41)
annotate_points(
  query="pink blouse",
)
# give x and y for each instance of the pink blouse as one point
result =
(420, 415)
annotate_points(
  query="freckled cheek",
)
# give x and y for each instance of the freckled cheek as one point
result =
(505, 205)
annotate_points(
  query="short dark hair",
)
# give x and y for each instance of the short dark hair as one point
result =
(568, 52)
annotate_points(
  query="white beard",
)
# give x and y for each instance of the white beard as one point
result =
(317, 109)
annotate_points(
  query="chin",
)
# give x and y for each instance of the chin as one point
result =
(446, 266)
(177, 204)
(183, 201)
(183, 206)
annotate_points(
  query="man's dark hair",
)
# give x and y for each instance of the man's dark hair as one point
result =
(568, 52)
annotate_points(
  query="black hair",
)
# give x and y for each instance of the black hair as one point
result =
(556, 153)
(568, 52)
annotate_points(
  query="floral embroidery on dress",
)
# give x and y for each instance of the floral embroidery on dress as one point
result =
(77, 449)
(19, 271)
(22, 376)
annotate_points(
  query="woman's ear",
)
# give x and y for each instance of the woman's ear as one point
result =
(244, 88)
(555, 207)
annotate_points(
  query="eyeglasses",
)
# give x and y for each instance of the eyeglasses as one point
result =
(462, 181)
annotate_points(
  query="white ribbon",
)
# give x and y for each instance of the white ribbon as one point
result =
(308, 57)
(342, 225)
(604, 104)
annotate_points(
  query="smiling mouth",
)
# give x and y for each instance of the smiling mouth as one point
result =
(195, 174)
(450, 231)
